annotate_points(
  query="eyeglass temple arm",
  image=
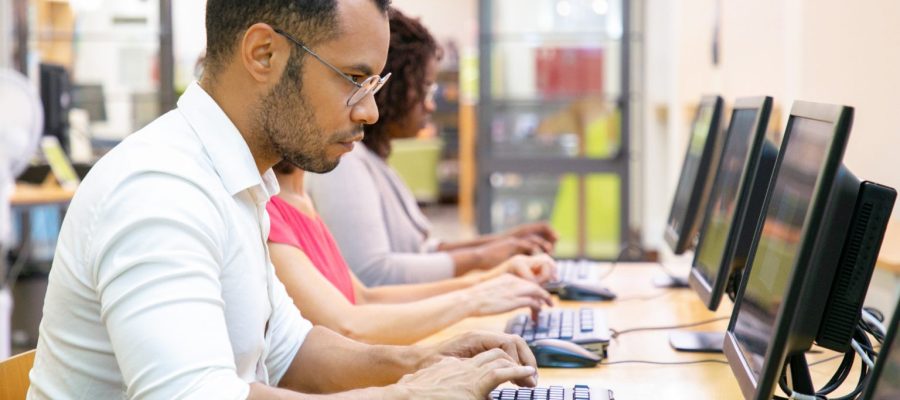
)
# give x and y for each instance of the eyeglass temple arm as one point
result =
(312, 53)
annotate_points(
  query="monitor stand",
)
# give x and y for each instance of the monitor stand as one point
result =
(670, 282)
(697, 342)
(681, 262)
(797, 373)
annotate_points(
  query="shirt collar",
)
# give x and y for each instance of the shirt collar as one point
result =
(224, 144)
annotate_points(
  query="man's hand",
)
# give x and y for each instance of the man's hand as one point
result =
(505, 293)
(473, 343)
(470, 379)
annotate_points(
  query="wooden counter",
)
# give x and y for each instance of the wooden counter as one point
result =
(26, 195)
(642, 305)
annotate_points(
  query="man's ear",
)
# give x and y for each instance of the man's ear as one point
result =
(262, 55)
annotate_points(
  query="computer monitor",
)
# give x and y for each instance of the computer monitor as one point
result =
(735, 202)
(56, 98)
(812, 256)
(90, 97)
(731, 215)
(884, 381)
(692, 192)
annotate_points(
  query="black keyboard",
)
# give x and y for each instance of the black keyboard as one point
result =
(586, 327)
(578, 392)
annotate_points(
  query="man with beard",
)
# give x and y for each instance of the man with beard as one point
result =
(161, 286)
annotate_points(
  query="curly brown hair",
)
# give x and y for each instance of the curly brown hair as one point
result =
(412, 46)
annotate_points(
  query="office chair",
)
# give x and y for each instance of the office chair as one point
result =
(14, 380)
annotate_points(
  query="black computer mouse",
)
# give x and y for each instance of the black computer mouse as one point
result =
(582, 291)
(555, 353)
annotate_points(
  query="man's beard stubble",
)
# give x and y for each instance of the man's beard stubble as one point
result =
(289, 127)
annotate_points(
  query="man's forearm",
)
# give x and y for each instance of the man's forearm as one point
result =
(259, 391)
(328, 363)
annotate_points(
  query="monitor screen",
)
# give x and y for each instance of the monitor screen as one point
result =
(91, 99)
(693, 184)
(776, 251)
(724, 196)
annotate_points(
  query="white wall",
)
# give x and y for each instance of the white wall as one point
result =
(851, 55)
(189, 38)
(816, 50)
(457, 19)
(6, 33)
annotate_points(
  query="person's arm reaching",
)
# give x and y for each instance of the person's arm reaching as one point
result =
(330, 363)
(538, 269)
(400, 323)
(538, 234)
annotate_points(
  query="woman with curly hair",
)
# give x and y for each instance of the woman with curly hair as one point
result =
(374, 217)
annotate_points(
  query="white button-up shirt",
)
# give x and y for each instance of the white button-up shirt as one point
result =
(161, 286)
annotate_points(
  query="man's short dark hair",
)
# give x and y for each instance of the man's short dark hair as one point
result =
(312, 21)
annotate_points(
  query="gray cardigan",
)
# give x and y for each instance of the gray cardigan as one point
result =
(376, 222)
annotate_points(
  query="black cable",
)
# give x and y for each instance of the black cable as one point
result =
(861, 336)
(870, 328)
(875, 313)
(666, 270)
(612, 267)
(667, 362)
(840, 375)
(616, 333)
(825, 360)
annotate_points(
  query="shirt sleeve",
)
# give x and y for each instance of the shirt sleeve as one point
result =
(156, 266)
(349, 202)
(287, 332)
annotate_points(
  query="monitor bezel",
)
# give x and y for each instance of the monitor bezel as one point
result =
(883, 354)
(840, 118)
(679, 240)
(711, 293)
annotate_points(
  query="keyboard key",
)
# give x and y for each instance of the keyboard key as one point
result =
(577, 392)
(580, 326)
(583, 271)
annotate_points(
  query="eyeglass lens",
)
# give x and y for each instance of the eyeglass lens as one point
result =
(371, 85)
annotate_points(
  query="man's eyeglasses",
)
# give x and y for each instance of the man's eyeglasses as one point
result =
(371, 84)
(430, 92)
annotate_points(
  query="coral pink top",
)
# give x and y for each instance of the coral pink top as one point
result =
(309, 234)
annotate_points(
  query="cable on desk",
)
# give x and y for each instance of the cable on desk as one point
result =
(612, 267)
(616, 333)
(666, 270)
(713, 361)
(662, 293)
(825, 360)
